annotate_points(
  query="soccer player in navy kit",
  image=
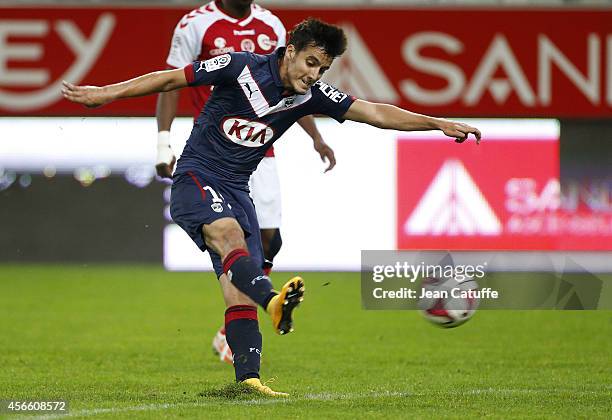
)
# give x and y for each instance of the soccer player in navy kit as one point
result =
(255, 100)
(214, 29)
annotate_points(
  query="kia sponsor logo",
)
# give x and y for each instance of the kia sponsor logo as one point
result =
(245, 132)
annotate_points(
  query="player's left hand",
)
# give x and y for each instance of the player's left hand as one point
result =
(460, 131)
(90, 96)
(325, 152)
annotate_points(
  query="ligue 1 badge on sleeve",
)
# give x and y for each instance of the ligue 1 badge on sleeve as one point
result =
(215, 63)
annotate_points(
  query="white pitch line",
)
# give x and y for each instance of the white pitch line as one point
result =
(155, 407)
(526, 391)
(306, 397)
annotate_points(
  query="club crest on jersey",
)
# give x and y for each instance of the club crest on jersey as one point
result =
(215, 63)
(245, 132)
(247, 45)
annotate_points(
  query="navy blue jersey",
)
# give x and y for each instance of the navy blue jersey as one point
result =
(247, 113)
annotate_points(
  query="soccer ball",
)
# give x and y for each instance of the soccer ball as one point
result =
(448, 303)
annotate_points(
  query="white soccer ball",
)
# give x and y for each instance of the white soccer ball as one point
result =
(448, 303)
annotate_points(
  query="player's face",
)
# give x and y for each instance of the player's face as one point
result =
(305, 67)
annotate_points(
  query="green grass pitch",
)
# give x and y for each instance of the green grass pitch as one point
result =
(134, 341)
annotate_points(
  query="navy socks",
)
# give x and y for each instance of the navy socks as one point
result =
(244, 339)
(248, 277)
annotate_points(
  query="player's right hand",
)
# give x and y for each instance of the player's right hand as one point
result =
(165, 157)
(459, 131)
(90, 96)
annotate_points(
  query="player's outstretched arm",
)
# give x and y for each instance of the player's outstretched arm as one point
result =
(94, 96)
(392, 117)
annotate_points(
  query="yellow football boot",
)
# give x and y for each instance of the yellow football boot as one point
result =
(282, 305)
(257, 386)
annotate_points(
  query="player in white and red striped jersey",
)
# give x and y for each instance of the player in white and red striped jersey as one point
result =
(217, 28)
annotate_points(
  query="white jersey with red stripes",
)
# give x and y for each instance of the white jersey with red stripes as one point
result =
(208, 31)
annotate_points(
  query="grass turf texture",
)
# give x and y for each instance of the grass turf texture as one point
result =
(135, 342)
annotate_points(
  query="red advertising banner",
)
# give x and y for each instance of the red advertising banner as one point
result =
(504, 194)
(43, 46)
(503, 62)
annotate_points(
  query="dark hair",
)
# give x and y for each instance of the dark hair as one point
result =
(314, 32)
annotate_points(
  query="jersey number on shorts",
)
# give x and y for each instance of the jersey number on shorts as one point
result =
(215, 197)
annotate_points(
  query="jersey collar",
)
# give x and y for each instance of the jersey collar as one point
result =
(273, 63)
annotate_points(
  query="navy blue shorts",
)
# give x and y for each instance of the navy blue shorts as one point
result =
(198, 200)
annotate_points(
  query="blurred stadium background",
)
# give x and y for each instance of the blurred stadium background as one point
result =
(535, 184)
(77, 186)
